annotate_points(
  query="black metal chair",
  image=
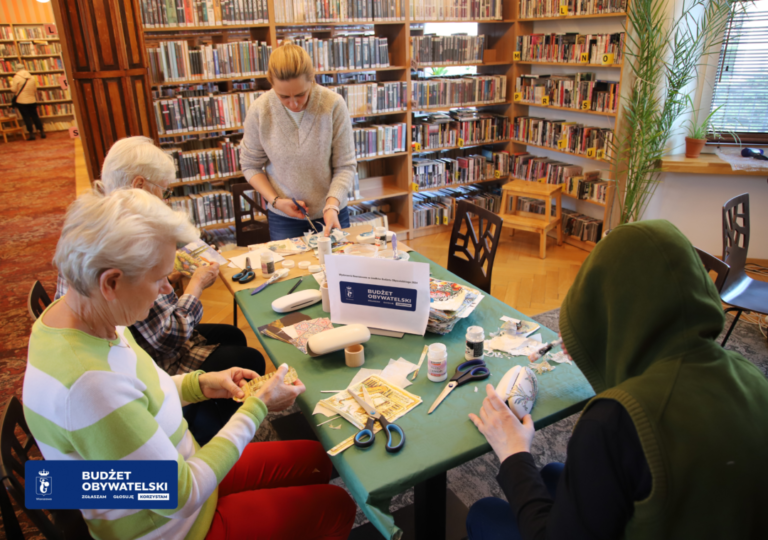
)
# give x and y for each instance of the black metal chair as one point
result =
(14, 453)
(471, 253)
(739, 291)
(249, 229)
(37, 300)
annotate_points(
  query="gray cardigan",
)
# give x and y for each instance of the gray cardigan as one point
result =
(311, 162)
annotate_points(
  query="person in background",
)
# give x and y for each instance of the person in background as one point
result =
(670, 447)
(24, 87)
(298, 144)
(172, 334)
(92, 393)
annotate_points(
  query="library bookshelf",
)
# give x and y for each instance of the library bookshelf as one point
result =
(41, 41)
(390, 180)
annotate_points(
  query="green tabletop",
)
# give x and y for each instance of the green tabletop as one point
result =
(435, 443)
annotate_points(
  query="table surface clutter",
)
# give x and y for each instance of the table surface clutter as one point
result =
(435, 443)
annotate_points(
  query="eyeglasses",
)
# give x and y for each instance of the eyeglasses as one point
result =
(167, 192)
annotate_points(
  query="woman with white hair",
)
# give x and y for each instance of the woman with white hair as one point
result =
(90, 392)
(171, 333)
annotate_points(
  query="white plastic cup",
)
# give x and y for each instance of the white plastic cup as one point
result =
(354, 355)
(323, 248)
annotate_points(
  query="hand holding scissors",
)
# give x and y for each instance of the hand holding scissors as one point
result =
(304, 213)
(375, 416)
(472, 370)
(247, 274)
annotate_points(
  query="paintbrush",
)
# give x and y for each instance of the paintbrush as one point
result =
(421, 361)
(544, 350)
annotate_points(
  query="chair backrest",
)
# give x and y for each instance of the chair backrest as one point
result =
(37, 300)
(471, 252)
(248, 230)
(736, 234)
(14, 453)
(713, 264)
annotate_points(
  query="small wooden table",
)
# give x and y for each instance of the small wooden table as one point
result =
(530, 221)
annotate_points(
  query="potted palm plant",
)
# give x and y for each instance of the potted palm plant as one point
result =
(697, 131)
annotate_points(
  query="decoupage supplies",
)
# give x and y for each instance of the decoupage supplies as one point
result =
(381, 237)
(475, 340)
(437, 362)
(267, 264)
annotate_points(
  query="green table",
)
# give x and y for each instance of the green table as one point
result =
(435, 443)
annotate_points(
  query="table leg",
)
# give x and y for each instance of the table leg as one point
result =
(429, 506)
(234, 312)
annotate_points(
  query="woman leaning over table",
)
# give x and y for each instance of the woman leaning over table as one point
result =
(90, 392)
(298, 144)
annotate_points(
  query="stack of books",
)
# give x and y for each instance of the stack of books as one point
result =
(458, 91)
(588, 187)
(434, 50)
(584, 228)
(173, 61)
(373, 213)
(164, 13)
(345, 52)
(568, 91)
(568, 48)
(449, 303)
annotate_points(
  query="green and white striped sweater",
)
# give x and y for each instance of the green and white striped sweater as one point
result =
(90, 398)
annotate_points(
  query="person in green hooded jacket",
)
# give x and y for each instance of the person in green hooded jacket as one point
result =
(671, 447)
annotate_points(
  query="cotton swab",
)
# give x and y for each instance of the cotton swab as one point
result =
(545, 349)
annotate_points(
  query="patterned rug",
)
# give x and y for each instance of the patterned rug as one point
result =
(38, 183)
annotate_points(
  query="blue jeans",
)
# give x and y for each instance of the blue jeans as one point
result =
(492, 518)
(281, 227)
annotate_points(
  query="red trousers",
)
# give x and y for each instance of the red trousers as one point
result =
(280, 490)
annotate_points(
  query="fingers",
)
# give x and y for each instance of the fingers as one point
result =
(493, 398)
(229, 385)
(300, 388)
(528, 422)
(478, 423)
(248, 374)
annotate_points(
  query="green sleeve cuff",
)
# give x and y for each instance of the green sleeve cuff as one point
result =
(255, 409)
(190, 387)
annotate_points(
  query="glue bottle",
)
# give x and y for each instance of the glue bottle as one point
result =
(267, 264)
(437, 362)
(381, 238)
(475, 340)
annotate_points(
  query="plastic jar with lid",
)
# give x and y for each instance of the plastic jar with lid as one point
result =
(437, 362)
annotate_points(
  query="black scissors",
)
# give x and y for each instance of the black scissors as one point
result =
(375, 416)
(471, 370)
(246, 275)
(301, 209)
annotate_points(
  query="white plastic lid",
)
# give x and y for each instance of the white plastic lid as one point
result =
(475, 333)
(437, 350)
(266, 256)
(304, 264)
(288, 263)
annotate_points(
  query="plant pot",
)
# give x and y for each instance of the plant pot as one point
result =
(693, 147)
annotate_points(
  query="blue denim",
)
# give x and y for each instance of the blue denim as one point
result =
(281, 227)
(492, 518)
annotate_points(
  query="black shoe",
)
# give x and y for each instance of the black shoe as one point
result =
(42, 135)
(31, 138)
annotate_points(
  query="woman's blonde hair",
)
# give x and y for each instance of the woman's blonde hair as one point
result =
(289, 61)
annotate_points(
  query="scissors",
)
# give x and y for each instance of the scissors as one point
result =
(472, 370)
(373, 416)
(247, 274)
(301, 209)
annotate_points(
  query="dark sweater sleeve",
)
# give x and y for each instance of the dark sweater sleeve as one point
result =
(605, 473)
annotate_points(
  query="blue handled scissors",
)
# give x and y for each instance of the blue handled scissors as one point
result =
(471, 370)
(375, 416)
(247, 274)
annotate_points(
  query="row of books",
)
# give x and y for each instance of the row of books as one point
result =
(180, 115)
(588, 187)
(205, 209)
(32, 32)
(256, 197)
(470, 127)
(440, 169)
(569, 48)
(525, 166)
(7, 49)
(10, 66)
(431, 49)
(55, 109)
(570, 137)
(6, 32)
(33, 49)
(44, 64)
(339, 11)
(195, 90)
(163, 13)
(205, 187)
(206, 164)
(372, 98)
(173, 61)
(380, 140)
(437, 207)
(369, 219)
(221, 238)
(330, 79)
(531, 9)
(42, 79)
(352, 52)
(455, 10)
(584, 228)
(459, 91)
(580, 91)
(53, 95)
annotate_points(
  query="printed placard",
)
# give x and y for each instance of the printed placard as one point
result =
(516, 56)
(607, 59)
(584, 58)
(414, 186)
(109, 485)
(563, 10)
(417, 147)
(591, 152)
(445, 220)
(545, 100)
(397, 298)
(461, 142)
(50, 29)
(517, 96)
(601, 154)
(497, 173)
(74, 132)
(585, 105)
(562, 143)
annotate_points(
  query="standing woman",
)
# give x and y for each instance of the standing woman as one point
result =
(298, 145)
(24, 87)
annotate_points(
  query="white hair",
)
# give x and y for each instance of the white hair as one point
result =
(132, 157)
(122, 230)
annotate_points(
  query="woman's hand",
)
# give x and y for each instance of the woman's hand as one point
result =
(331, 218)
(225, 384)
(504, 432)
(287, 207)
(277, 395)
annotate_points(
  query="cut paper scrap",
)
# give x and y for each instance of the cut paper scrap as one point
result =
(397, 371)
(542, 366)
(307, 329)
(526, 327)
(335, 427)
(559, 357)
(513, 345)
(359, 377)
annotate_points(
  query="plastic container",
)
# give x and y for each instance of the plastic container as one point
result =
(475, 339)
(437, 362)
(366, 250)
(381, 237)
(323, 248)
(267, 264)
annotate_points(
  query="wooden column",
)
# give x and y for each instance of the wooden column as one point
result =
(103, 49)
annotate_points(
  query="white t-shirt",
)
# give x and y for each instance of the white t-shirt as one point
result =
(297, 116)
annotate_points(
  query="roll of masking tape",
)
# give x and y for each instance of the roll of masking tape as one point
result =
(288, 264)
(304, 265)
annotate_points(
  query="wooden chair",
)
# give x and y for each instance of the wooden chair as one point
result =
(540, 224)
(11, 130)
(471, 253)
(739, 291)
(250, 228)
(37, 300)
(14, 453)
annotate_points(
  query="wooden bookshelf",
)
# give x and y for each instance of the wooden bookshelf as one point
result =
(21, 57)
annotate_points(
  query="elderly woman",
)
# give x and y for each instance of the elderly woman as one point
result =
(24, 87)
(90, 392)
(171, 333)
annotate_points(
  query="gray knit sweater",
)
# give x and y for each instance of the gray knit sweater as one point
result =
(311, 162)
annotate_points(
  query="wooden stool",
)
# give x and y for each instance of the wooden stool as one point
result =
(530, 221)
(15, 128)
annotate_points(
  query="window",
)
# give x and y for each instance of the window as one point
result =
(741, 82)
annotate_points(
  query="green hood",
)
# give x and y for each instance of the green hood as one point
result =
(641, 297)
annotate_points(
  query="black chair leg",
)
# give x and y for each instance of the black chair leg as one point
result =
(10, 523)
(735, 320)
(234, 312)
